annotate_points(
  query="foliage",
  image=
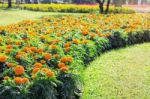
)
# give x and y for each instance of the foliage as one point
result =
(72, 8)
(50, 52)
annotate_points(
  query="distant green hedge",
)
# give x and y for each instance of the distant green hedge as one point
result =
(69, 8)
(72, 8)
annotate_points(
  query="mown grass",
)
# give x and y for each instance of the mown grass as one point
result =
(119, 74)
(9, 16)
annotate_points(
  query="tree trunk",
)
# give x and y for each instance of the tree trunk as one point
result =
(9, 4)
(101, 6)
(107, 6)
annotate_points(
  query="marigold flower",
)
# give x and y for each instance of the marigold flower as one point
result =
(18, 56)
(50, 74)
(9, 47)
(67, 49)
(61, 65)
(63, 59)
(18, 80)
(19, 70)
(57, 55)
(35, 70)
(45, 70)
(3, 59)
(64, 69)
(10, 65)
(47, 56)
(53, 46)
(69, 59)
(37, 65)
(75, 41)
(85, 32)
(85, 41)
(26, 49)
(33, 76)
(8, 50)
(43, 61)
(6, 77)
(68, 44)
(18, 43)
(34, 49)
(40, 50)
(25, 80)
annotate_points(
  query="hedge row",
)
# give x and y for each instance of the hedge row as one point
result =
(72, 8)
(44, 58)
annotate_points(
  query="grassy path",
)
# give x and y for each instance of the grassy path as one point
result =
(10, 16)
(119, 74)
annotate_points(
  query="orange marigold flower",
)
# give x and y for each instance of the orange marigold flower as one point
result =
(18, 43)
(10, 65)
(8, 50)
(35, 70)
(69, 59)
(68, 44)
(50, 74)
(19, 70)
(67, 49)
(3, 59)
(57, 55)
(9, 46)
(85, 32)
(37, 65)
(53, 46)
(18, 56)
(26, 49)
(47, 56)
(34, 49)
(45, 70)
(18, 80)
(6, 77)
(60, 65)
(75, 41)
(40, 50)
(25, 80)
(63, 59)
(64, 69)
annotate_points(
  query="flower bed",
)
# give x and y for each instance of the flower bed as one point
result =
(43, 58)
(72, 8)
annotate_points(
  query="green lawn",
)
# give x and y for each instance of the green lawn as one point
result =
(119, 74)
(15, 15)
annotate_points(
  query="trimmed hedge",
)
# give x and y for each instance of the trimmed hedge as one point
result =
(71, 8)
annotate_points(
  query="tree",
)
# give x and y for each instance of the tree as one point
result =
(101, 6)
(9, 4)
(107, 6)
